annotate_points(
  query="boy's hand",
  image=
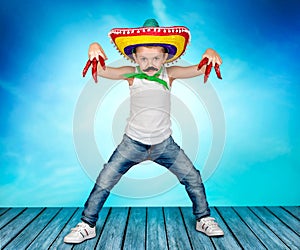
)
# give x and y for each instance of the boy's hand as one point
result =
(210, 58)
(95, 53)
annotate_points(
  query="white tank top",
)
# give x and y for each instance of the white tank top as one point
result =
(149, 121)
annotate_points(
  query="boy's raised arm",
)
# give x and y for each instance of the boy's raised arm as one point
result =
(97, 59)
(210, 59)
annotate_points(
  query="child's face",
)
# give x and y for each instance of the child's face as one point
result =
(150, 59)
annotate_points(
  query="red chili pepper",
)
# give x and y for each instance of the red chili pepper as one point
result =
(86, 68)
(102, 62)
(202, 63)
(218, 72)
(94, 69)
(207, 72)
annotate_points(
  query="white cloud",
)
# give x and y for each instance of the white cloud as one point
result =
(12, 89)
(159, 8)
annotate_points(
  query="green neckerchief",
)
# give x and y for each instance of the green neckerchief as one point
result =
(142, 75)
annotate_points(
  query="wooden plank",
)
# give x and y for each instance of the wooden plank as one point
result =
(286, 234)
(286, 218)
(295, 211)
(3, 210)
(198, 239)
(11, 230)
(252, 228)
(10, 215)
(156, 232)
(91, 244)
(268, 238)
(114, 229)
(33, 229)
(59, 242)
(176, 234)
(50, 232)
(228, 241)
(135, 237)
(242, 233)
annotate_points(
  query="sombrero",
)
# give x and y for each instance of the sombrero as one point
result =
(174, 39)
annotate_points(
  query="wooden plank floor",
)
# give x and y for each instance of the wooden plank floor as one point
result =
(152, 228)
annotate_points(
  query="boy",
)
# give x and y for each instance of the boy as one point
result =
(148, 132)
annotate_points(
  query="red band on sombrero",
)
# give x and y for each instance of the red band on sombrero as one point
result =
(174, 39)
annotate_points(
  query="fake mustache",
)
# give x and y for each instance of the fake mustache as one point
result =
(150, 68)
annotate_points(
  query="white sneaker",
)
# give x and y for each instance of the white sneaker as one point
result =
(208, 226)
(80, 233)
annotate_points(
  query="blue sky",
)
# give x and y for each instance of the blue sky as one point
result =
(44, 48)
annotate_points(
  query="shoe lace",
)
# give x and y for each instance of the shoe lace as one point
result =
(80, 226)
(210, 222)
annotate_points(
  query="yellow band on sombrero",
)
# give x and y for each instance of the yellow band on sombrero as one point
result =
(174, 39)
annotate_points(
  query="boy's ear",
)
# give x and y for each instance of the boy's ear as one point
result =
(165, 57)
(134, 57)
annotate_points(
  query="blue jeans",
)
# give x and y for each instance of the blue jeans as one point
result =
(130, 153)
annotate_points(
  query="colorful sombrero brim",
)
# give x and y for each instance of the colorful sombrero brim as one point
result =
(174, 39)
